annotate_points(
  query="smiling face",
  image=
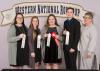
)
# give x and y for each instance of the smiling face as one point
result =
(19, 19)
(69, 13)
(35, 22)
(87, 20)
(51, 20)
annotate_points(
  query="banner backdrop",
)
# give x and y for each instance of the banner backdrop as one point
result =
(40, 9)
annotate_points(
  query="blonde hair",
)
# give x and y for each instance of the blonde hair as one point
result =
(32, 27)
(90, 14)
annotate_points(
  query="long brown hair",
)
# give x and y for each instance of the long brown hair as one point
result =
(15, 22)
(32, 27)
(47, 22)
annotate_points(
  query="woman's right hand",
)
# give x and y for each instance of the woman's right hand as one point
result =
(45, 35)
(33, 54)
(21, 35)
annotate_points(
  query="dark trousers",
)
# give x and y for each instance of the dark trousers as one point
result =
(70, 59)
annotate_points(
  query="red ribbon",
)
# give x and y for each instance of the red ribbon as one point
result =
(53, 34)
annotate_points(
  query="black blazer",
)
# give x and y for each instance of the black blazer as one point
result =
(73, 26)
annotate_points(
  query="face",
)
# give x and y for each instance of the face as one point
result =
(87, 20)
(19, 19)
(69, 13)
(51, 20)
(35, 22)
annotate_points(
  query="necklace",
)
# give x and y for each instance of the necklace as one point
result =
(21, 29)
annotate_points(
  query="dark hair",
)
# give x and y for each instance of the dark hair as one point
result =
(31, 25)
(70, 8)
(47, 22)
(90, 14)
(15, 22)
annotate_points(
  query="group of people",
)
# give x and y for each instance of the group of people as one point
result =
(32, 46)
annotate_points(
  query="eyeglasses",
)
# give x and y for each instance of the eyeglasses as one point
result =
(19, 17)
(87, 17)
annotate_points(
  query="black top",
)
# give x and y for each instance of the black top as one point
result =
(22, 53)
(37, 50)
(51, 52)
(52, 29)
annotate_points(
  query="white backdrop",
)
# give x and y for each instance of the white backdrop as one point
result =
(91, 5)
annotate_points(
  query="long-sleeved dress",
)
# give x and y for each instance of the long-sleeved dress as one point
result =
(87, 44)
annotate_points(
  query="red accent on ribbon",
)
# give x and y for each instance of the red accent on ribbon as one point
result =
(53, 34)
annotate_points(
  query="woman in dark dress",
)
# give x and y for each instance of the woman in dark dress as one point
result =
(35, 47)
(52, 52)
(19, 53)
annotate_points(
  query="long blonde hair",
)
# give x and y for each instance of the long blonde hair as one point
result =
(32, 27)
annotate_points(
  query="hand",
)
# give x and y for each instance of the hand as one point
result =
(57, 36)
(45, 35)
(22, 35)
(72, 50)
(33, 54)
(64, 32)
